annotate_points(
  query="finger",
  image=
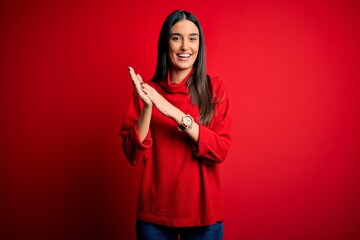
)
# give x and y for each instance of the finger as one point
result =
(148, 94)
(134, 77)
(140, 81)
(132, 74)
(148, 88)
(137, 86)
(131, 69)
(139, 78)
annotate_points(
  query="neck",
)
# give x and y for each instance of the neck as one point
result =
(177, 76)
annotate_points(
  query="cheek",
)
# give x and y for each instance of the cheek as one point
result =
(171, 52)
(196, 51)
(171, 48)
(196, 48)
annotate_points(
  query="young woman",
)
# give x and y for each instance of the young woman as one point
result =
(178, 128)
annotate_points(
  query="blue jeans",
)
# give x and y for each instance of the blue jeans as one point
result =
(149, 231)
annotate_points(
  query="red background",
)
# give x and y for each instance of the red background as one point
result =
(293, 71)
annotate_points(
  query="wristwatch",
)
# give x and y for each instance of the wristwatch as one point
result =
(186, 123)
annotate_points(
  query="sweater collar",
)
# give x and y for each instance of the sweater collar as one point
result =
(176, 87)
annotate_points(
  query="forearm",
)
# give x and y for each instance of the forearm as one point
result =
(193, 133)
(170, 111)
(176, 114)
(144, 122)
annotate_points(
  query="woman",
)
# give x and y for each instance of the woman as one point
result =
(178, 127)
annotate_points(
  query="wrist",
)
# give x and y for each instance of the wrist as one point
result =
(148, 107)
(177, 115)
(186, 123)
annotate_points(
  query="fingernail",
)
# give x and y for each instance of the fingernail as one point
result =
(129, 68)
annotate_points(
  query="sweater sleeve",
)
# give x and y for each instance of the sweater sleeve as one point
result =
(215, 139)
(134, 150)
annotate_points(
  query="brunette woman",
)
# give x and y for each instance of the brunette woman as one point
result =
(178, 128)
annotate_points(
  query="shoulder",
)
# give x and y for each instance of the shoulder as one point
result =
(219, 88)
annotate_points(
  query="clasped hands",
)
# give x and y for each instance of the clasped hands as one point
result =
(149, 95)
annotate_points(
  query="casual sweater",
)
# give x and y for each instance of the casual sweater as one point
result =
(180, 183)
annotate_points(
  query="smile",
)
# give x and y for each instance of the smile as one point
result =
(184, 56)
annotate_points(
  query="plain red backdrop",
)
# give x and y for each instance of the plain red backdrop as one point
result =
(293, 71)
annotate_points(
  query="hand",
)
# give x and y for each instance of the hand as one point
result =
(169, 110)
(138, 86)
(159, 101)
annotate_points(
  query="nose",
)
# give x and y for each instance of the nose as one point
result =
(184, 45)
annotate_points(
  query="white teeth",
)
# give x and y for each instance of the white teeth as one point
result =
(183, 55)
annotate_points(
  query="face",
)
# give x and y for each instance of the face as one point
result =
(183, 45)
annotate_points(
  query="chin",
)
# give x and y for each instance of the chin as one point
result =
(184, 66)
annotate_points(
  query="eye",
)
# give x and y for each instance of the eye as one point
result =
(193, 39)
(176, 38)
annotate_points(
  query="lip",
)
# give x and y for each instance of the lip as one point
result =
(184, 56)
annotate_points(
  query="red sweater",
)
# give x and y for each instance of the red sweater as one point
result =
(180, 184)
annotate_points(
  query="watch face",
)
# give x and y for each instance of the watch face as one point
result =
(186, 123)
(187, 120)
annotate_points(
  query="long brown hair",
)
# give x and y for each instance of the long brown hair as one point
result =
(199, 84)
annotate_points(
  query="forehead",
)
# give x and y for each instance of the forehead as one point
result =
(185, 27)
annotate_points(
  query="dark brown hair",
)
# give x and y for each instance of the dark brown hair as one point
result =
(199, 82)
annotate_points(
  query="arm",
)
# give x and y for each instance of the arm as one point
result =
(145, 115)
(170, 111)
(135, 149)
(215, 139)
(135, 129)
(210, 143)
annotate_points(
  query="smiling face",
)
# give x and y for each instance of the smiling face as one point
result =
(183, 45)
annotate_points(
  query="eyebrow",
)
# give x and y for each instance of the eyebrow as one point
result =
(178, 34)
